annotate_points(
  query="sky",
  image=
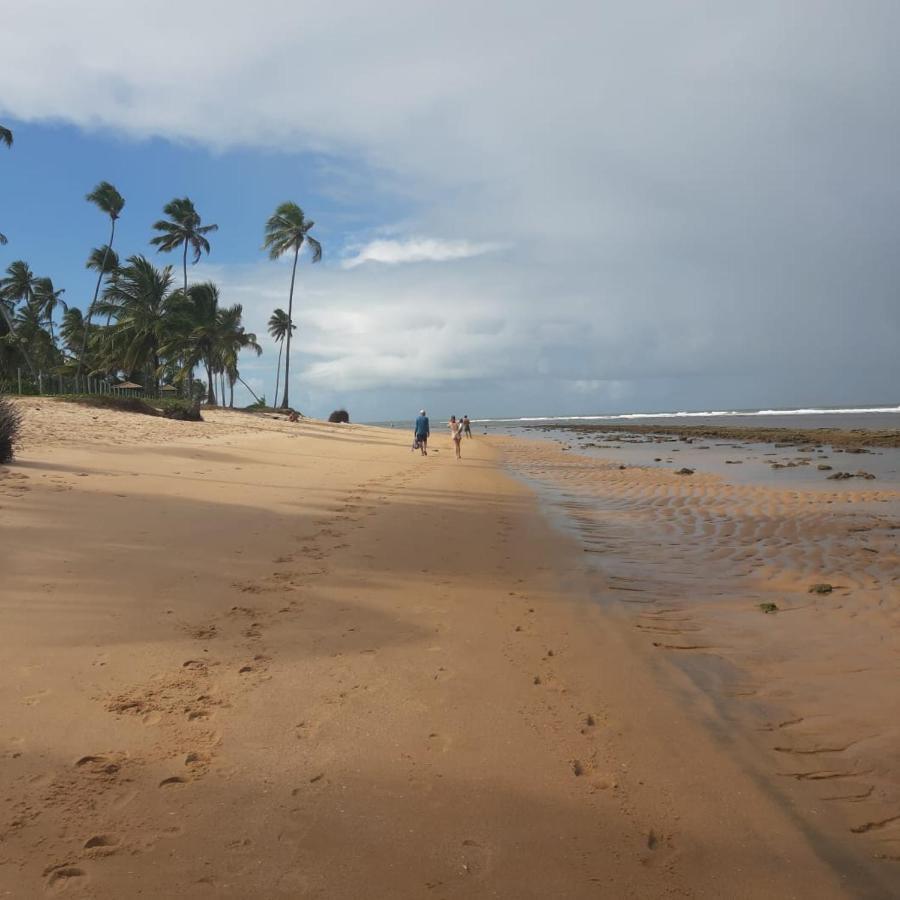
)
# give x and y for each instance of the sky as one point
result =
(525, 208)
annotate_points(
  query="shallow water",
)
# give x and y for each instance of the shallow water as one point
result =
(693, 562)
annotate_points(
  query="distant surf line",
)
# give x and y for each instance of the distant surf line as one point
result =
(728, 413)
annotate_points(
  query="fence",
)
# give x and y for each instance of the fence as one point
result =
(51, 385)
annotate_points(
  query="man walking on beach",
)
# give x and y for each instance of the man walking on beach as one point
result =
(467, 426)
(422, 432)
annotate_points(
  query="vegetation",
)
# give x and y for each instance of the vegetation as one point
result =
(10, 422)
(140, 325)
(339, 415)
(279, 326)
(287, 230)
(108, 200)
(182, 229)
(169, 409)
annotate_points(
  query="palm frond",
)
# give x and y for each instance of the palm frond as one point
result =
(107, 199)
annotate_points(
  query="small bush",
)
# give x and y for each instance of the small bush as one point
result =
(182, 410)
(339, 415)
(10, 423)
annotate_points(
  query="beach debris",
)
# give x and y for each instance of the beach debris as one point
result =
(577, 768)
(733, 462)
(589, 721)
(684, 470)
(537, 679)
(820, 588)
(824, 467)
(769, 607)
(843, 476)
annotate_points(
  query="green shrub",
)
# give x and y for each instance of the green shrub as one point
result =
(183, 410)
(10, 423)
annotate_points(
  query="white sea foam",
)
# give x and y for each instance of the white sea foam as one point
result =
(723, 413)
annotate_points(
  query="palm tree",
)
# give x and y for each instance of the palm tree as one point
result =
(17, 286)
(31, 332)
(287, 230)
(278, 329)
(108, 200)
(231, 340)
(199, 344)
(71, 330)
(147, 313)
(104, 260)
(46, 299)
(183, 228)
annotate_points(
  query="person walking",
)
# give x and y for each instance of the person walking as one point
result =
(467, 426)
(422, 432)
(456, 433)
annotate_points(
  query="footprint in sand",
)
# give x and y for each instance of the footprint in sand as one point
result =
(59, 876)
(102, 844)
(173, 780)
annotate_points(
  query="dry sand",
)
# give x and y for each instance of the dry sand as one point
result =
(244, 658)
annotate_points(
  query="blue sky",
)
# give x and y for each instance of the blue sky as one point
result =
(45, 177)
(525, 210)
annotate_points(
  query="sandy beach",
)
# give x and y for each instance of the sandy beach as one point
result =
(249, 658)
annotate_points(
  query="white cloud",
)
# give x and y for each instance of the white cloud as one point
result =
(698, 199)
(415, 250)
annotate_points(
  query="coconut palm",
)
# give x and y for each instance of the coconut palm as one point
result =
(288, 230)
(17, 287)
(104, 260)
(32, 334)
(46, 300)
(182, 229)
(147, 313)
(232, 338)
(197, 344)
(71, 329)
(279, 323)
(108, 200)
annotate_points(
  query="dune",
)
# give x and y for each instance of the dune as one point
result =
(253, 658)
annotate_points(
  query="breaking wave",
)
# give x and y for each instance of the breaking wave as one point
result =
(708, 414)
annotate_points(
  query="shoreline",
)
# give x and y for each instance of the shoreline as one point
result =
(836, 437)
(257, 658)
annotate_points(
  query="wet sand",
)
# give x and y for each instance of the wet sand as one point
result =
(248, 658)
(775, 591)
(806, 436)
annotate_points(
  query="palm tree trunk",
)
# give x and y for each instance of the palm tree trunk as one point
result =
(285, 403)
(184, 266)
(231, 397)
(12, 330)
(278, 372)
(87, 324)
(210, 390)
(252, 393)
